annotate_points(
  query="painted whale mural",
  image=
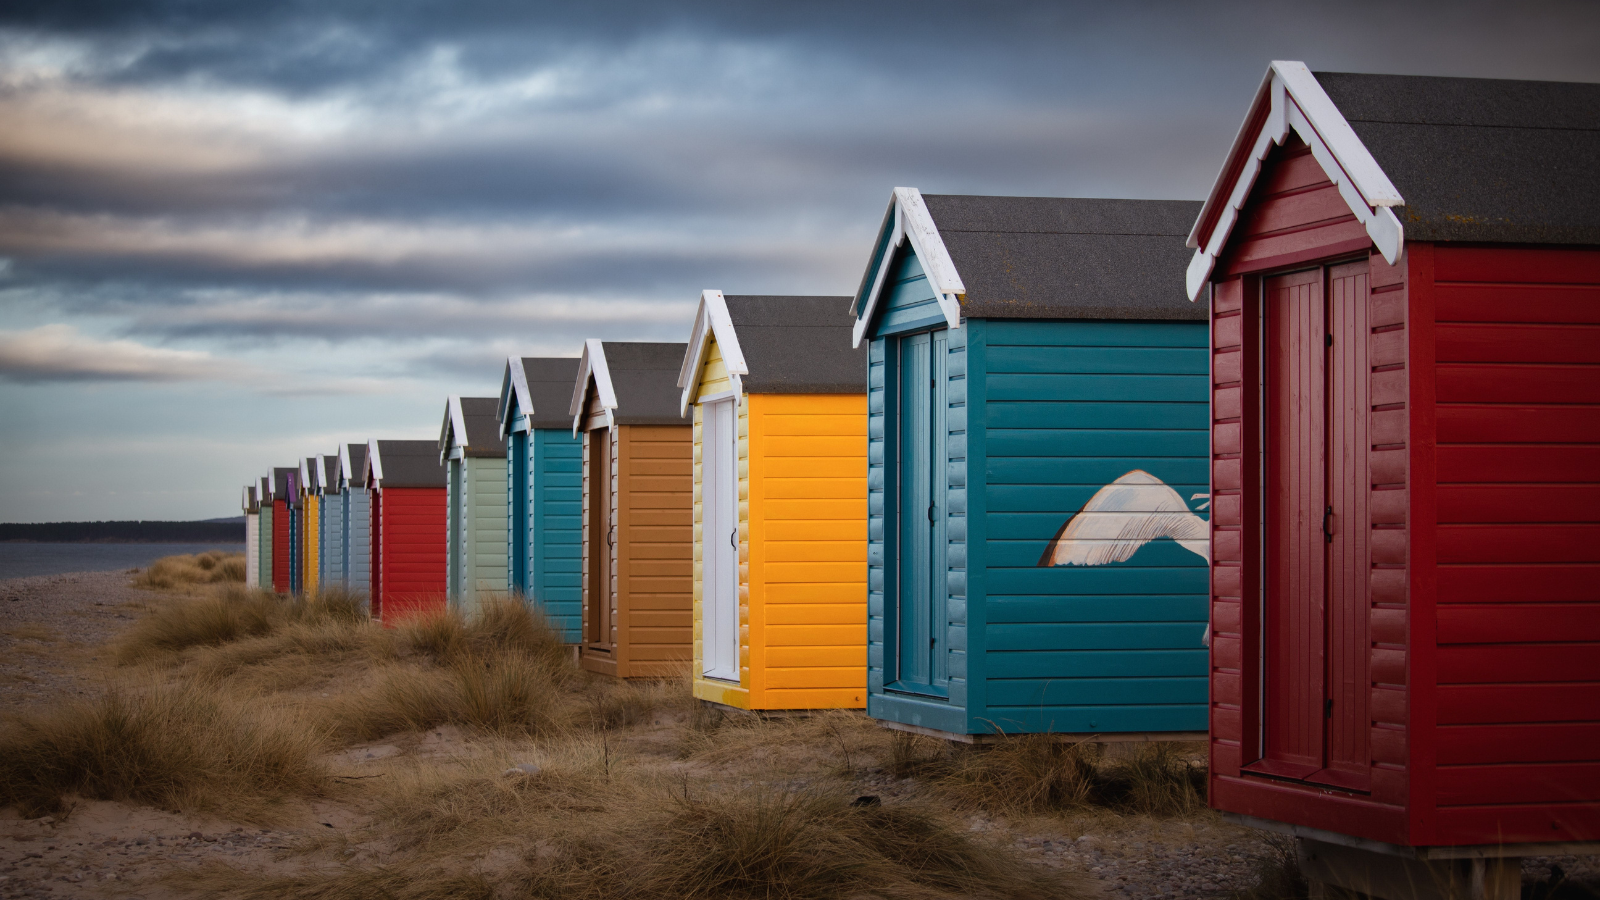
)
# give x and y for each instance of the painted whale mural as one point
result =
(1124, 516)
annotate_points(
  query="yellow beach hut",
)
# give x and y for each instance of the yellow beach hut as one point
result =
(310, 484)
(779, 403)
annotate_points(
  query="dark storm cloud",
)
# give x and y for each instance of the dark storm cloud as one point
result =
(172, 153)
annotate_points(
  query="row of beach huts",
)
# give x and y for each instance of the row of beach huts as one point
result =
(1309, 470)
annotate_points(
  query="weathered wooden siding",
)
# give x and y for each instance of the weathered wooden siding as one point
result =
(1059, 410)
(1294, 215)
(264, 538)
(252, 549)
(483, 552)
(476, 500)
(1517, 506)
(281, 543)
(599, 650)
(807, 542)
(308, 545)
(412, 561)
(654, 557)
(556, 521)
(714, 379)
(519, 505)
(358, 540)
(333, 538)
(908, 305)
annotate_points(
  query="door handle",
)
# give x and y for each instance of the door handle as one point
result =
(1327, 524)
(611, 537)
(931, 520)
(733, 540)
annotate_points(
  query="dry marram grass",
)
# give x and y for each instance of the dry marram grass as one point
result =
(184, 572)
(170, 745)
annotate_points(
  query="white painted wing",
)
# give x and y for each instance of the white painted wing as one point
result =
(1124, 516)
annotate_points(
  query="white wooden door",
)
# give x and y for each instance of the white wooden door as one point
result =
(719, 489)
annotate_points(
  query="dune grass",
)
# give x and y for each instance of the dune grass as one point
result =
(185, 571)
(578, 830)
(1040, 773)
(170, 745)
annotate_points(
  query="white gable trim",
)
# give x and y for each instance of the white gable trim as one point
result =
(373, 470)
(593, 363)
(451, 436)
(1298, 102)
(711, 320)
(913, 222)
(513, 384)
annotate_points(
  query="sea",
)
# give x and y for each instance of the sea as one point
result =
(22, 560)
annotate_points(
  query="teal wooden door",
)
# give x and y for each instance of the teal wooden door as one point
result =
(922, 660)
(517, 554)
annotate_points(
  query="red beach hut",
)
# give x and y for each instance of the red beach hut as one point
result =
(282, 534)
(406, 484)
(1405, 295)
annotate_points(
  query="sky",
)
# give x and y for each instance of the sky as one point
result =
(234, 234)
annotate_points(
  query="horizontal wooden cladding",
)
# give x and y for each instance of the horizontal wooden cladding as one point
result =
(1520, 623)
(1509, 704)
(1464, 745)
(1504, 342)
(830, 424)
(1533, 823)
(1516, 265)
(1511, 663)
(1518, 463)
(1294, 213)
(1491, 423)
(1519, 543)
(1525, 383)
(1310, 806)
(1518, 503)
(1518, 303)
(1469, 583)
(1521, 783)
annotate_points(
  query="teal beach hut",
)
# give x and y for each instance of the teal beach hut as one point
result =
(356, 518)
(1037, 471)
(544, 463)
(474, 458)
(330, 536)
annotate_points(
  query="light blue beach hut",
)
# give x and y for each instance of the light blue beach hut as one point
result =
(474, 457)
(330, 530)
(1038, 540)
(544, 486)
(356, 519)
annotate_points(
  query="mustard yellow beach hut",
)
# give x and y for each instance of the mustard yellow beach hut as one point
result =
(779, 404)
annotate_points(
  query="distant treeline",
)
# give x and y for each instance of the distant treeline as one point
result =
(124, 532)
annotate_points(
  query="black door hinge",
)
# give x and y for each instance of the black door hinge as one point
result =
(1329, 339)
(1327, 709)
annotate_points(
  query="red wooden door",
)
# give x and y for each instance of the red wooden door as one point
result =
(1317, 618)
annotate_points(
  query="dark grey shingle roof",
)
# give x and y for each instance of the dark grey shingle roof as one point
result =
(645, 377)
(280, 482)
(483, 426)
(358, 464)
(1069, 258)
(410, 464)
(330, 473)
(1480, 159)
(798, 345)
(550, 384)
